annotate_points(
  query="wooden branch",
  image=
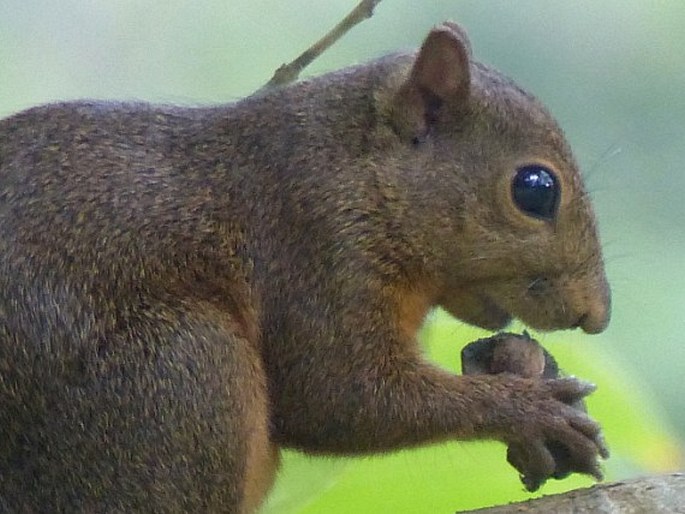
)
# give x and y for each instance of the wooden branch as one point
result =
(654, 495)
(288, 73)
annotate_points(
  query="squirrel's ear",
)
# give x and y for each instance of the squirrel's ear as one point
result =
(440, 74)
(441, 69)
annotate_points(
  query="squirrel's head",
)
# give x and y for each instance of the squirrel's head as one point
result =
(519, 230)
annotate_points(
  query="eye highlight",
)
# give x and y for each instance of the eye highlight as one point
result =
(535, 190)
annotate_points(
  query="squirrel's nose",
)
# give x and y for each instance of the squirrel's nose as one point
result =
(589, 299)
(597, 314)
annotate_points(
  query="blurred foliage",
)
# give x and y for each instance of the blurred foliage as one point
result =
(611, 71)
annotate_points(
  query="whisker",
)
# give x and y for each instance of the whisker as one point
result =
(533, 283)
(612, 151)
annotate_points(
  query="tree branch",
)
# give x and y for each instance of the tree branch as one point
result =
(663, 494)
(287, 73)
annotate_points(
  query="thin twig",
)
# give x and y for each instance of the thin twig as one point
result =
(288, 73)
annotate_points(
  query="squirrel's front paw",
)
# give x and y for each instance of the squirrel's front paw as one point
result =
(552, 438)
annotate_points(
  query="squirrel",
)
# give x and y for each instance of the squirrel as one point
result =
(186, 291)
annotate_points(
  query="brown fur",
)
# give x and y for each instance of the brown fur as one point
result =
(176, 282)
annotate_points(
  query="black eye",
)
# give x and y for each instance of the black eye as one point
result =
(536, 191)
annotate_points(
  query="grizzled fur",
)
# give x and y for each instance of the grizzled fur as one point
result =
(184, 291)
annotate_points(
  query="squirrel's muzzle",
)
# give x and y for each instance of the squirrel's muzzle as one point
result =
(597, 315)
(593, 302)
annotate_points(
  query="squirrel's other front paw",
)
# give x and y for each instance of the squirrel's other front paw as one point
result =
(557, 439)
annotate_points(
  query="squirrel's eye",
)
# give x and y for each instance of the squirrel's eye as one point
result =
(535, 190)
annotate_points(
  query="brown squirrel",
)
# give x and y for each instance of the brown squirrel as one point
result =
(184, 291)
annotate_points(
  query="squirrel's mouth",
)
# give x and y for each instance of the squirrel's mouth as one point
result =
(494, 317)
(477, 308)
(557, 305)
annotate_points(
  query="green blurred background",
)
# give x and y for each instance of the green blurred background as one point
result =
(613, 72)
